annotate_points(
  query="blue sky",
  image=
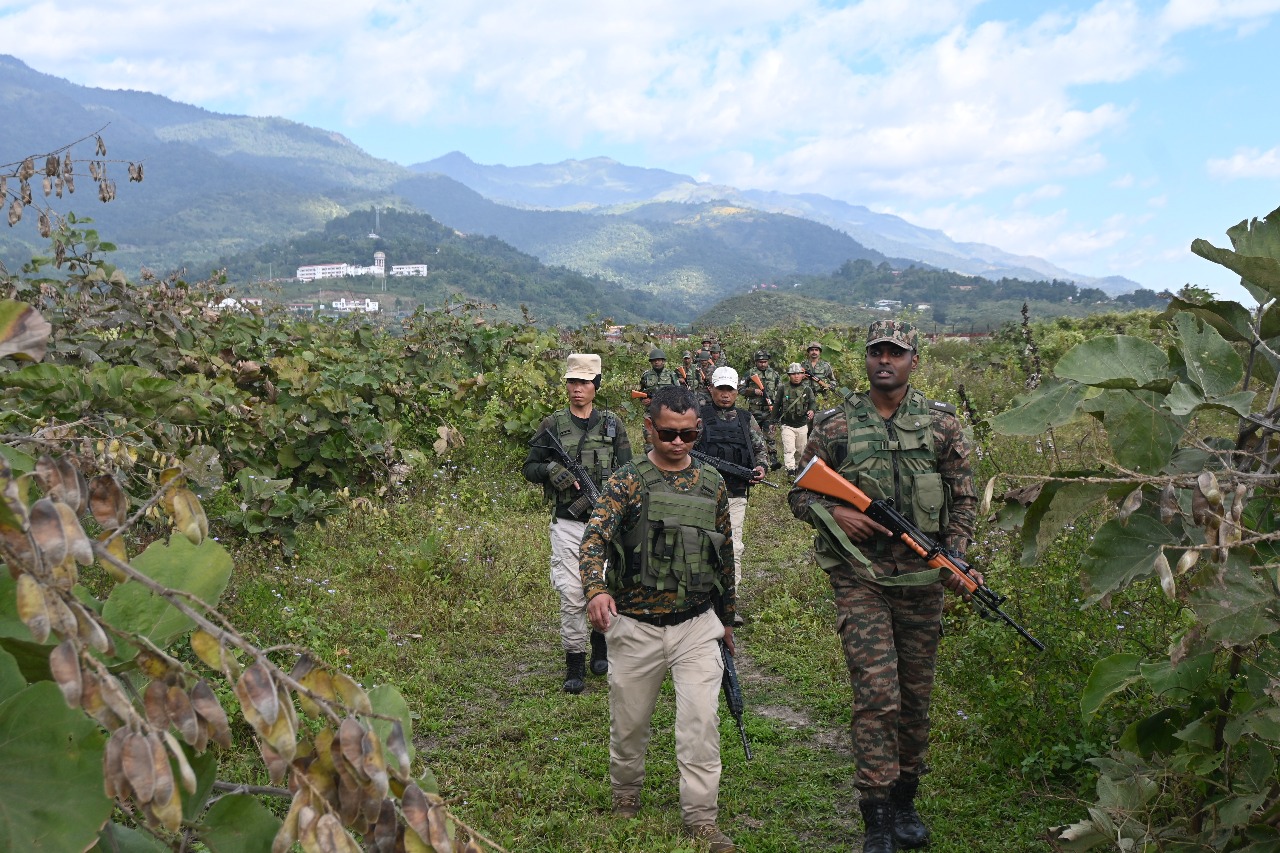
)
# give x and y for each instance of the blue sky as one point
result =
(1102, 136)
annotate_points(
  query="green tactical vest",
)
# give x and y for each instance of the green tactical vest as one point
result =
(894, 461)
(652, 380)
(593, 448)
(674, 544)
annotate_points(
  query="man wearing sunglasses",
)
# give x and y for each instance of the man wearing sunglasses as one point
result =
(597, 441)
(667, 597)
(731, 433)
(893, 443)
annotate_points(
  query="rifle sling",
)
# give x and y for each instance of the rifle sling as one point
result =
(830, 530)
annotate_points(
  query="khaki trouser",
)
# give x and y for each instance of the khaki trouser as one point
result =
(737, 517)
(566, 537)
(639, 657)
(793, 442)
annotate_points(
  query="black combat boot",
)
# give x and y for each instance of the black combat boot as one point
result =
(599, 654)
(908, 828)
(878, 817)
(575, 671)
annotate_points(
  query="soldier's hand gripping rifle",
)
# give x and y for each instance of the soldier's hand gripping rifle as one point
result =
(724, 466)
(733, 694)
(819, 477)
(823, 384)
(590, 492)
(755, 377)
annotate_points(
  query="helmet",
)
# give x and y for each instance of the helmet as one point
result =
(814, 345)
(688, 354)
(794, 367)
(761, 354)
(655, 354)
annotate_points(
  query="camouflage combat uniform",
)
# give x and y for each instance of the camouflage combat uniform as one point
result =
(888, 602)
(651, 380)
(765, 414)
(820, 376)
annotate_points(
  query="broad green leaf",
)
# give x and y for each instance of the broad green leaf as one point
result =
(1057, 505)
(1173, 683)
(1117, 361)
(1240, 609)
(1211, 362)
(1256, 258)
(11, 678)
(115, 838)
(1079, 837)
(1110, 675)
(202, 570)
(1232, 320)
(1130, 414)
(388, 701)
(50, 773)
(1184, 400)
(1052, 404)
(236, 823)
(20, 462)
(24, 333)
(1154, 733)
(205, 766)
(1120, 554)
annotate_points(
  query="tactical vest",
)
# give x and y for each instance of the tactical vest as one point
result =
(674, 544)
(594, 450)
(770, 379)
(896, 460)
(792, 404)
(652, 379)
(728, 439)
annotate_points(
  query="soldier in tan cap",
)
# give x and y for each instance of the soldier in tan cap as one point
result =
(596, 442)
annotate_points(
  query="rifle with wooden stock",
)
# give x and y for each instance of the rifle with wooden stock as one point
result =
(755, 377)
(820, 477)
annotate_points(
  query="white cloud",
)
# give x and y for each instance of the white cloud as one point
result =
(1123, 182)
(1050, 235)
(1040, 193)
(1247, 163)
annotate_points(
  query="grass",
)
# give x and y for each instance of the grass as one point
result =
(446, 596)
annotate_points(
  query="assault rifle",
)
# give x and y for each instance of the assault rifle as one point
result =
(823, 384)
(640, 395)
(755, 377)
(820, 477)
(590, 492)
(724, 466)
(733, 694)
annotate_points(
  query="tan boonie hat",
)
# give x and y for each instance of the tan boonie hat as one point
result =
(794, 367)
(582, 365)
(893, 332)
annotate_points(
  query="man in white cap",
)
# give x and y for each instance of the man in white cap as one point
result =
(731, 434)
(595, 443)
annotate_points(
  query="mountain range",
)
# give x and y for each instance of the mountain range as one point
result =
(219, 186)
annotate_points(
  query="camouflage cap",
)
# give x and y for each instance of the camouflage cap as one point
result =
(894, 332)
(794, 367)
(688, 354)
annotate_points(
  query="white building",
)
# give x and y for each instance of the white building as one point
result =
(311, 272)
(348, 306)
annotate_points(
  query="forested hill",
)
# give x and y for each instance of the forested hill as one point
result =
(474, 267)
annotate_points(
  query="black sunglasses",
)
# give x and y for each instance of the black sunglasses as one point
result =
(688, 436)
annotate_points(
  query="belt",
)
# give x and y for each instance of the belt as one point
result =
(666, 620)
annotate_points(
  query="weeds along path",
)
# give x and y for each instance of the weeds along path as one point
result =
(446, 595)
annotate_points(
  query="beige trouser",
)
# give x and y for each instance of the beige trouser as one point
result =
(737, 517)
(793, 442)
(639, 657)
(566, 536)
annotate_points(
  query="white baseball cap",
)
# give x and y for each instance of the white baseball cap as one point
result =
(724, 376)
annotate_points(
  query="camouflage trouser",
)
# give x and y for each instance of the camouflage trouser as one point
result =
(769, 426)
(890, 638)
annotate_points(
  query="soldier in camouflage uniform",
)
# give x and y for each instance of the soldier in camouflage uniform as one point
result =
(667, 597)
(893, 443)
(657, 376)
(795, 407)
(597, 441)
(700, 380)
(819, 373)
(687, 379)
(730, 433)
(762, 402)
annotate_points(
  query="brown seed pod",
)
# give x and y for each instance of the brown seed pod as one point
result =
(1169, 508)
(154, 705)
(1207, 482)
(139, 766)
(206, 705)
(32, 607)
(257, 690)
(1131, 503)
(64, 666)
(108, 502)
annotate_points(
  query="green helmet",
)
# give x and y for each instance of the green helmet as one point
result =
(656, 353)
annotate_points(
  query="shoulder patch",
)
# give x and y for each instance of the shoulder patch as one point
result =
(940, 406)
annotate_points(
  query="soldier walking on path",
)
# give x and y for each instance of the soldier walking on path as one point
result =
(760, 385)
(894, 443)
(597, 441)
(657, 376)
(669, 596)
(732, 434)
(794, 406)
(819, 373)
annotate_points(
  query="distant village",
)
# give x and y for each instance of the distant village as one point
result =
(317, 272)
